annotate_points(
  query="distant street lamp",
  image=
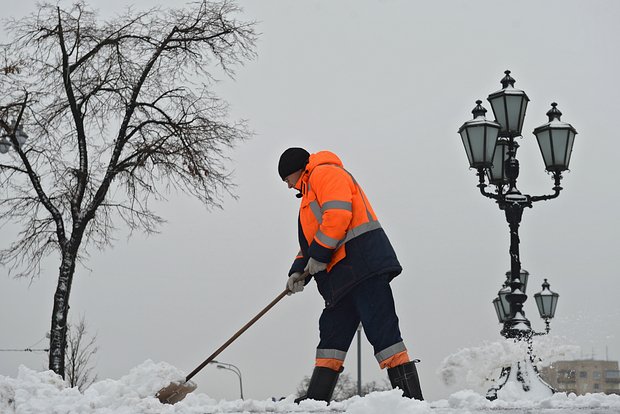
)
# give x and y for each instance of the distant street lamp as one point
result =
(501, 304)
(491, 149)
(233, 368)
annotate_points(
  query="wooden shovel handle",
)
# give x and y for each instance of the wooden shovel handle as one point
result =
(240, 331)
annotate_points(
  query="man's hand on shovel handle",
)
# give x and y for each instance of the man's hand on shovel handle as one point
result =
(296, 282)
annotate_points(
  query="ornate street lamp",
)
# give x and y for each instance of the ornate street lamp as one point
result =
(555, 139)
(502, 306)
(524, 276)
(546, 300)
(509, 105)
(479, 137)
(501, 167)
(497, 173)
(501, 316)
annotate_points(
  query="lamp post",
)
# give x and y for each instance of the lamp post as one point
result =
(491, 149)
(359, 360)
(233, 368)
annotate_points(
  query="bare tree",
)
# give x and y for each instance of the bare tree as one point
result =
(80, 350)
(118, 113)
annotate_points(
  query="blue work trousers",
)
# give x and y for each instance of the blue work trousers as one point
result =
(371, 303)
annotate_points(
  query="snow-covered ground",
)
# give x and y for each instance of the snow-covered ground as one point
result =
(44, 392)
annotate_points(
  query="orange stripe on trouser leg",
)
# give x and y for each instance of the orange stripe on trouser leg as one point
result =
(330, 363)
(395, 360)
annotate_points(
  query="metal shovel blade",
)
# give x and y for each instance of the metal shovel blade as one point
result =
(175, 392)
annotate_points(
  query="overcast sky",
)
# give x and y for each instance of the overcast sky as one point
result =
(385, 85)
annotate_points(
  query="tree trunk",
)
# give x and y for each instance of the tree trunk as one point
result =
(60, 313)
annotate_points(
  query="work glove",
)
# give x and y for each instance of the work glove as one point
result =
(295, 283)
(314, 266)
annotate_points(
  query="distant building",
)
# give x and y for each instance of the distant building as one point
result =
(583, 376)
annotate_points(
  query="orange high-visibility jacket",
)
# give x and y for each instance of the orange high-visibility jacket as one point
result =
(338, 226)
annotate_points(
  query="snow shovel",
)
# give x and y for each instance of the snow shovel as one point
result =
(176, 391)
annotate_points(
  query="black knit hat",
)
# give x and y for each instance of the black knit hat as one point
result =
(291, 160)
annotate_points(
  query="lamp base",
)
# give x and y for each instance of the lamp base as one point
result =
(520, 381)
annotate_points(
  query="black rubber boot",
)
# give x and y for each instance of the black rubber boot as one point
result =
(322, 385)
(406, 378)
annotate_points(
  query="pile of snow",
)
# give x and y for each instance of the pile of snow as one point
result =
(471, 401)
(34, 392)
(478, 368)
(45, 392)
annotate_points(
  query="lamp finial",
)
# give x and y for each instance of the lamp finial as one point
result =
(554, 112)
(507, 80)
(479, 110)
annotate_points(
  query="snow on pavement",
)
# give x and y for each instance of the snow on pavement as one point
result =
(44, 392)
